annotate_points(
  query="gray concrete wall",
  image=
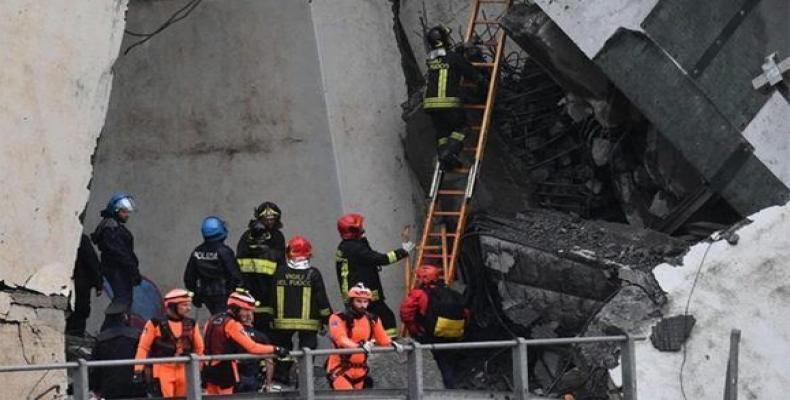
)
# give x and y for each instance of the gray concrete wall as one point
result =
(364, 87)
(252, 100)
(56, 80)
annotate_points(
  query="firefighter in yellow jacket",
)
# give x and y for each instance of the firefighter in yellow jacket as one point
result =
(300, 302)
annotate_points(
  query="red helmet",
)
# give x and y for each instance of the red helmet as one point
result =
(178, 296)
(360, 292)
(299, 248)
(350, 226)
(242, 299)
(427, 274)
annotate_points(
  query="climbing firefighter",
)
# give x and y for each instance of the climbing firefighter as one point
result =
(225, 334)
(119, 264)
(442, 99)
(434, 313)
(212, 272)
(260, 249)
(355, 328)
(357, 262)
(300, 302)
(116, 341)
(178, 335)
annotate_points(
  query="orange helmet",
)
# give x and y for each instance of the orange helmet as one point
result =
(242, 299)
(350, 226)
(427, 274)
(360, 292)
(299, 248)
(178, 296)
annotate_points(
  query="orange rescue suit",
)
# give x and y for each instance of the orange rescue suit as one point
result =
(172, 378)
(348, 331)
(231, 338)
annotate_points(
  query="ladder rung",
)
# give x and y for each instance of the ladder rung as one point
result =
(487, 22)
(475, 106)
(431, 247)
(439, 234)
(452, 192)
(483, 64)
(470, 149)
(432, 255)
(458, 171)
(448, 213)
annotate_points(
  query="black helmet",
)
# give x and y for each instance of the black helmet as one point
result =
(269, 210)
(438, 37)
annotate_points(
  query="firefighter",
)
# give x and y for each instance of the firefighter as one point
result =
(442, 99)
(260, 249)
(300, 302)
(434, 313)
(357, 262)
(354, 328)
(117, 341)
(87, 276)
(119, 264)
(212, 272)
(178, 335)
(225, 334)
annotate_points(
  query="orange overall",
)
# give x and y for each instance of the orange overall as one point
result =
(231, 337)
(155, 343)
(348, 372)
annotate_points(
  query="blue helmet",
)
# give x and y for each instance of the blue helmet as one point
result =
(121, 201)
(214, 228)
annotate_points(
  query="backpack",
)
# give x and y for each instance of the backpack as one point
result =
(445, 318)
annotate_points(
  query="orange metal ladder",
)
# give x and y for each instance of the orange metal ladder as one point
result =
(452, 190)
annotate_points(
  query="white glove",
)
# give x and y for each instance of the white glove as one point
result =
(398, 347)
(367, 345)
(408, 246)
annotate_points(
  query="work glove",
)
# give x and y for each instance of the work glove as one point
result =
(398, 347)
(281, 352)
(367, 346)
(408, 246)
(138, 377)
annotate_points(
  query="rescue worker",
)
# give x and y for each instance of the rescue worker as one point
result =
(176, 336)
(212, 272)
(442, 99)
(300, 302)
(261, 248)
(119, 264)
(355, 328)
(225, 334)
(356, 261)
(250, 370)
(434, 313)
(117, 341)
(86, 276)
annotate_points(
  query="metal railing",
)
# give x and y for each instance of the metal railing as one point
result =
(414, 381)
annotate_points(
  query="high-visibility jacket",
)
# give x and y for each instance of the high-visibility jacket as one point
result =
(258, 258)
(348, 331)
(212, 270)
(168, 338)
(428, 321)
(300, 300)
(356, 262)
(225, 335)
(445, 69)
